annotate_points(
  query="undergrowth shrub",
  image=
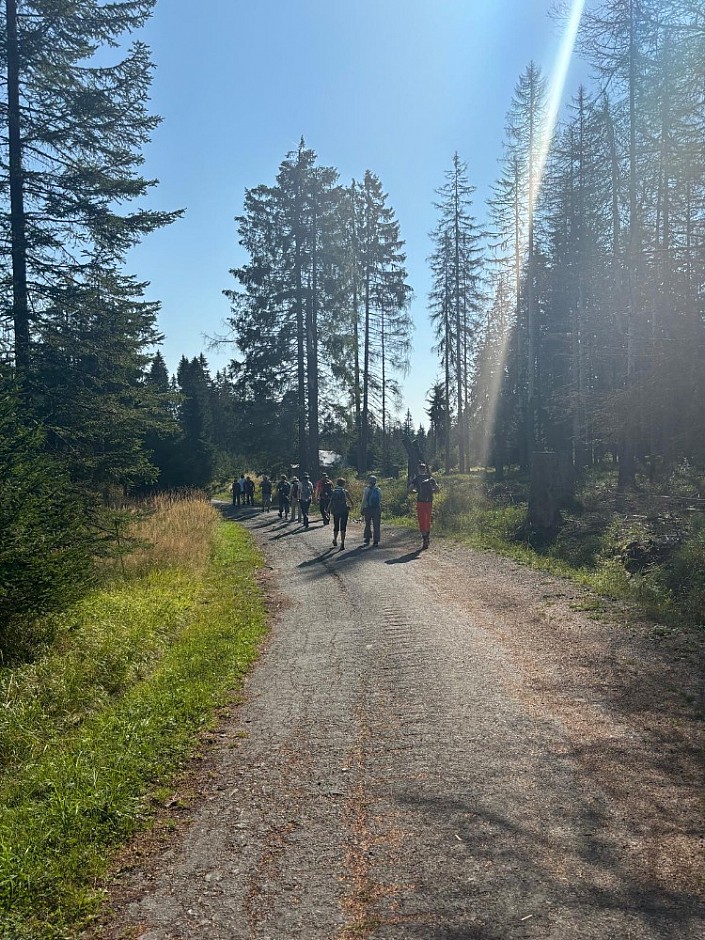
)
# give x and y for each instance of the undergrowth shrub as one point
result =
(685, 575)
(45, 545)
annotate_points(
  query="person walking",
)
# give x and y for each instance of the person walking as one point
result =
(305, 497)
(372, 510)
(424, 486)
(266, 488)
(241, 490)
(235, 488)
(340, 506)
(294, 500)
(324, 488)
(249, 491)
(283, 490)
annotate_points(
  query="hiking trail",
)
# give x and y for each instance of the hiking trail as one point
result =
(435, 745)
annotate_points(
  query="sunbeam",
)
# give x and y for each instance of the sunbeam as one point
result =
(557, 84)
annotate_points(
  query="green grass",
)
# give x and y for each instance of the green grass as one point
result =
(105, 717)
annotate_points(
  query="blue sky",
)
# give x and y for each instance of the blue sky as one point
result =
(394, 86)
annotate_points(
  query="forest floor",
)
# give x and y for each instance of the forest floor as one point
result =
(437, 744)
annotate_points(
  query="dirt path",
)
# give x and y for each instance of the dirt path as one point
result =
(437, 745)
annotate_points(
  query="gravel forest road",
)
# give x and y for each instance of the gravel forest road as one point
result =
(438, 745)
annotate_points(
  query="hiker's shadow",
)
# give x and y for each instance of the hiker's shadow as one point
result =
(318, 559)
(404, 559)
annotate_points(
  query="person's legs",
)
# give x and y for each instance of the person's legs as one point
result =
(343, 528)
(305, 506)
(423, 513)
(368, 526)
(376, 519)
(336, 527)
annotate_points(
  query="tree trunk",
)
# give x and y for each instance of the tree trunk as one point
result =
(364, 442)
(312, 352)
(384, 395)
(300, 340)
(447, 388)
(627, 461)
(18, 223)
(458, 329)
(545, 493)
(519, 325)
(531, 313)
(356, 332)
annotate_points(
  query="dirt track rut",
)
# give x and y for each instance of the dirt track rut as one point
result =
(435, 746)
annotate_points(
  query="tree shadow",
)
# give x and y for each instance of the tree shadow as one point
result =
(494, 840)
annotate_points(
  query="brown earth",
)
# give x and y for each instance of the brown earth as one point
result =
(434, 745)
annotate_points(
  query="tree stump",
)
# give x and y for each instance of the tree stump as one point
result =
(545, 492)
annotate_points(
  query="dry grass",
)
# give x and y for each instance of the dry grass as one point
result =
(171, 531)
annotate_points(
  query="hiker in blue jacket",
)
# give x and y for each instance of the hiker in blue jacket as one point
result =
(372, 510)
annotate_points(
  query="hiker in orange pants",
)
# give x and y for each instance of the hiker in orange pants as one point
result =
(424, 486)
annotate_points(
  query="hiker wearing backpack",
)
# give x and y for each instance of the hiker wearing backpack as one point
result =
(372, 510)
(324, 488)
(305, 497)
(283, 491)
(266, 487)
(340, 506)
(294, 500)
(424, 486)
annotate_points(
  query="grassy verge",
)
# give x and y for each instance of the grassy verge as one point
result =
(108, 713)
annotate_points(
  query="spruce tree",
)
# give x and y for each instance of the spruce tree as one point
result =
(456, 296)
(286, 313)
(384, 326)
(71, 135)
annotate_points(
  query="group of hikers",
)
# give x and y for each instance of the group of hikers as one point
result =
(294, 498)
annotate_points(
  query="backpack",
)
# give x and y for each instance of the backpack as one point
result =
(284, 488)
(374, 497)
(338, 500)
(305, 491)
(327, 489)
(424, 489)
(295, 490)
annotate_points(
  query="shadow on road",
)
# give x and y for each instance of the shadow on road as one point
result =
(331, 557)
(404, 559)
(601, 879)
